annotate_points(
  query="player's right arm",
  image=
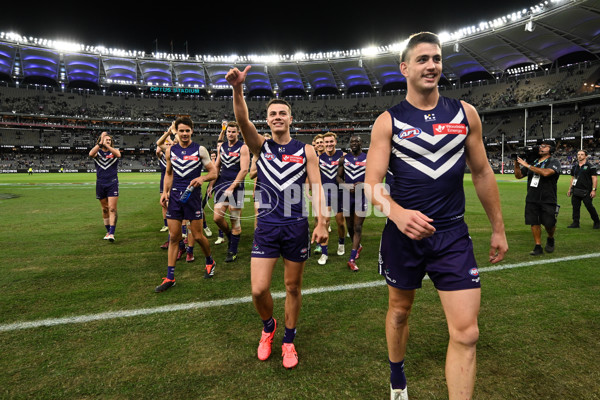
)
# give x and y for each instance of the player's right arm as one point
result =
(253, 140)
(167, 181)
(570, 187)
(412, 223)
(161, 142)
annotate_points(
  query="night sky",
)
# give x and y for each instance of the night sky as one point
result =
(280, 28)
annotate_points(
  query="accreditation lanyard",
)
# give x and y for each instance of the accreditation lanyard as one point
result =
(579, 168)
(535, 180)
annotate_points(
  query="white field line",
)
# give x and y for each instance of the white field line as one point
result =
(246, 299)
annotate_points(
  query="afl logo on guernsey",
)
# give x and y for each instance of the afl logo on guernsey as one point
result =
(269, 156)
(409, 133)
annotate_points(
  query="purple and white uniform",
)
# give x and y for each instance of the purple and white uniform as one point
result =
(328, 166)
(230, 157)
(107, 181)
(354, 173)
(428, 163)
(282, 221)
(187, 165)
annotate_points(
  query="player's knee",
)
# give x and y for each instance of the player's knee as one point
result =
(259, 292)
(467, 336)
(292, 289)
(175, 238)
(358, 229)
(398, 315)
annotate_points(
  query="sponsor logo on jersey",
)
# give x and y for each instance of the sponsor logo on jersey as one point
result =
(233, 154)
(193, 158)
(292, 158)
(361, 163)
(409, 133)
(449, 129)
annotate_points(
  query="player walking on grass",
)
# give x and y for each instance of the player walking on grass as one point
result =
(328, 165)
(426, 141)
(283, 164)
(106, 158)
(233, 160)
(184, 169)
(351, 177)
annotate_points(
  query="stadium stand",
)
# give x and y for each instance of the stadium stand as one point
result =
(523, 95)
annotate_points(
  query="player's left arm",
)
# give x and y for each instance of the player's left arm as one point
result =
(485, 183)
(208, 165)
(313, 172)
(594, 185)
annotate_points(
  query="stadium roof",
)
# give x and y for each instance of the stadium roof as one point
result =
(536, 38)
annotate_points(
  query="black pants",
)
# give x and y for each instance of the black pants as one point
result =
(587, 202)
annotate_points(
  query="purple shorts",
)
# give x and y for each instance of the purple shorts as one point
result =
(107, 189)
(191, 210)
(354, 203)
(236, 200)
(446, 257)
(333, 199)
(292, 241)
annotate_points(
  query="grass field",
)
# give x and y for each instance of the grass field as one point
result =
(79, 318)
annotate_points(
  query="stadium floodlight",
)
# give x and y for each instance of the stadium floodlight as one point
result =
(370, 51)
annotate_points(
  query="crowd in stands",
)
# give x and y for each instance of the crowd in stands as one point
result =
(510, 109)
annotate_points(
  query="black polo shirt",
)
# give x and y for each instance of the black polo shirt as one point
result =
(583, 174)
(546, 189)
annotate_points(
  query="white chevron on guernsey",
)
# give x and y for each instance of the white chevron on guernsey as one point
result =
(433, 173)
(288, 176)
(328, 170)
(413, 145)
(184, 167)
(229, 161)
(354, 171)
(431, 156)
(105, 163)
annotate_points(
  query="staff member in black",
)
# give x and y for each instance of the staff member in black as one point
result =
(541, 201)
(583, 189)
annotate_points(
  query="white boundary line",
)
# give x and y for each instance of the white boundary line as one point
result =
(247, 299)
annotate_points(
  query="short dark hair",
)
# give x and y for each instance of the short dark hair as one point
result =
(233, 124)
(184, 120)
(279, 101)
(418, 38)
